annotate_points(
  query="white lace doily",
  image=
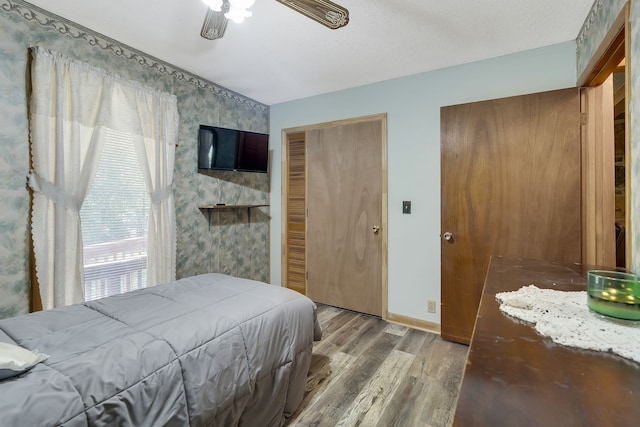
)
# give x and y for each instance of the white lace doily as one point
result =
(565, 318)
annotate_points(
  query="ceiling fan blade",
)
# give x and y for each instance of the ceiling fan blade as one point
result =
(325, 12)
(215, 24)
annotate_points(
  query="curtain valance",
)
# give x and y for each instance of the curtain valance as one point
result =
(115, 103)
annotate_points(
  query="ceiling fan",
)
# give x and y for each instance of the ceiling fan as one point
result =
(325, 12)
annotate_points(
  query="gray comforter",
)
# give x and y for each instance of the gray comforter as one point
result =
(210, 350)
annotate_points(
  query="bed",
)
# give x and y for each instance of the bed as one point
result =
(209, 350)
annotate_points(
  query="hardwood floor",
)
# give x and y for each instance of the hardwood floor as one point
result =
(366, 372)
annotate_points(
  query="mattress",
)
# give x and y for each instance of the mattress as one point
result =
(209, 350)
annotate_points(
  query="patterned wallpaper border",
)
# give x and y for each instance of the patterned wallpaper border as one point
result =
(586, 27)
(61, 25)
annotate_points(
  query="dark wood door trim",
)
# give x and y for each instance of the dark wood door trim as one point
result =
(614, 48)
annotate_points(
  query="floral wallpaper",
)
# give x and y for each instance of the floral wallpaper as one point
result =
(600, 19)
(224, 242)
(598, 23)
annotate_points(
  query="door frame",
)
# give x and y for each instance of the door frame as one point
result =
(291, 132)
(615, 46)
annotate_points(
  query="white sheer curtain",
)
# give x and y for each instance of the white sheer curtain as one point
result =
(157, 157)
(72, 105)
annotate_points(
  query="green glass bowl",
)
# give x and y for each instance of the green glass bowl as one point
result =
(614, 294)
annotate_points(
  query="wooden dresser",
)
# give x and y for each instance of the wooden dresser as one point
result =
(515, 377)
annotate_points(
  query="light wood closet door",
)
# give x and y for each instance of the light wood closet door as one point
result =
(344, 201)
(510, 186)
(296, 207)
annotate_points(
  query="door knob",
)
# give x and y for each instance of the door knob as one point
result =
(376, 229)
(448, 236)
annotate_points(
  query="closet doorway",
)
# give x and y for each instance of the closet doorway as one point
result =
(335, 213)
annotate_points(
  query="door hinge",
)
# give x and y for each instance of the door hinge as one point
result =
(583, 119)
(306, 275)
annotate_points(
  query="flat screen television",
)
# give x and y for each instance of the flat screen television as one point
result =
(230, 149)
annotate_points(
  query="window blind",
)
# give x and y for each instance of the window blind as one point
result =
(115, 218)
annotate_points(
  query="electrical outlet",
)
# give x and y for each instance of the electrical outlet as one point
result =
(431, 306)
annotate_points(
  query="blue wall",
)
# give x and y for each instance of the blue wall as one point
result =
(413, 108)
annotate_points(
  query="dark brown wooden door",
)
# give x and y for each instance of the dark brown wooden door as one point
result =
(510, 176)
(344, 201)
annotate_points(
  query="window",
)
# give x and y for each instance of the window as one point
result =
(115, 218)
(66, 147)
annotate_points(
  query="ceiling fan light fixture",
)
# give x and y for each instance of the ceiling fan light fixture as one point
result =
(237, 15)
(215, 24)
(215, 5)
(325, 12)
(238, 10)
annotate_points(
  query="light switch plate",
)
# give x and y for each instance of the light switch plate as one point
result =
(406, 207)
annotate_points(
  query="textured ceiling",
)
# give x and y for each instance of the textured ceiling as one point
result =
(279, 55)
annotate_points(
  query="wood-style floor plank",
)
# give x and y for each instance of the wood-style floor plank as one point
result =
(366, 372)
(371, 402)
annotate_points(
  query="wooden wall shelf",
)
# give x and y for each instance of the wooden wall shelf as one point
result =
(210, 208)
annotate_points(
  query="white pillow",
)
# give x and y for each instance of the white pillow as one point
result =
(15, 360)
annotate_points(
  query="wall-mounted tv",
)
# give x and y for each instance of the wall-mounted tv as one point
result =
(230, 149)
